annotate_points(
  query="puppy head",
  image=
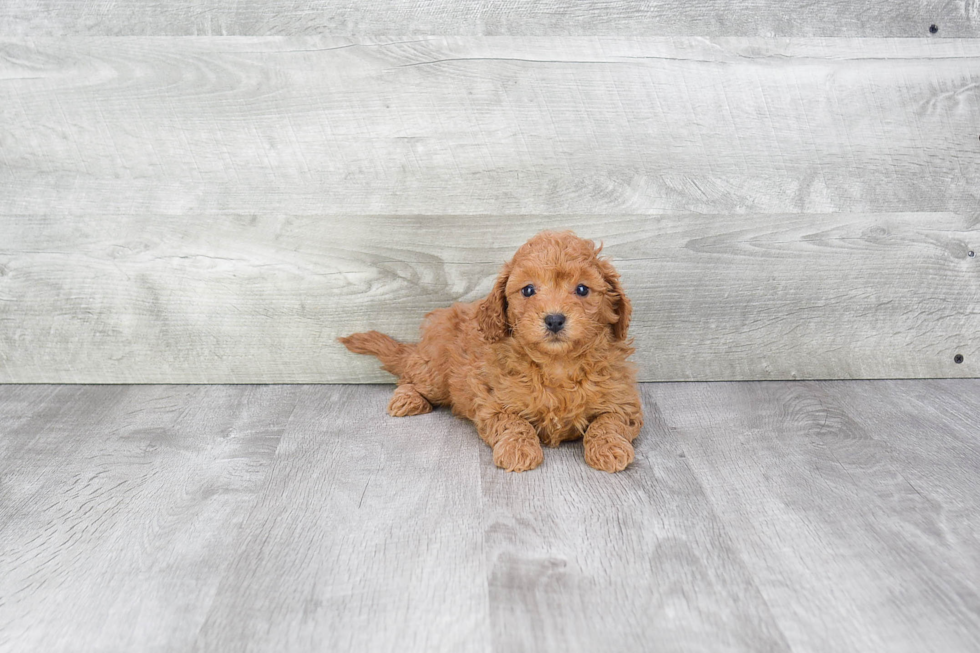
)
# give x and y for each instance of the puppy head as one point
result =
(556, 294)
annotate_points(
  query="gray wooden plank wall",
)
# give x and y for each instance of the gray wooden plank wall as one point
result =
(262, 298)
(767, 18)
(190, 209)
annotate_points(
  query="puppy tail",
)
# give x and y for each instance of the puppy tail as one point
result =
(392, 354)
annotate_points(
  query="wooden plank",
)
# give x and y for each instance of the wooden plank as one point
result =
(489, 17)
(930, 429)
(757, 517)
(251, 299)
(825, 519)
(367, 537)
(119, 506)
(579, 560)
(489, 126)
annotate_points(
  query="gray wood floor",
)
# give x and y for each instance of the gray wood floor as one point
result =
(805, 516)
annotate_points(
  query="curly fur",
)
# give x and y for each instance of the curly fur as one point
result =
(495, 363)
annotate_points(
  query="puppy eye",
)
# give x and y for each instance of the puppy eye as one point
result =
(527, 290)
(581, 290)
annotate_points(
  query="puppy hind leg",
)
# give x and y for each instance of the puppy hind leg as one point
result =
(408, 401)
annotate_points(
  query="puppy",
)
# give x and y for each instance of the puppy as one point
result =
(542, 359)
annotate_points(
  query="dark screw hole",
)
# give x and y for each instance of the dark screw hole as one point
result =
(971, 253)
(933, 29)
(958, 358)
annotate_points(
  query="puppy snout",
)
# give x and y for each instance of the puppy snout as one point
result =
(555, 322)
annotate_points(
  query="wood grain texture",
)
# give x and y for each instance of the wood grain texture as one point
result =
(488, 126)
(757, 517)
(262, 298)
(219, 210)
(367, 537)
(929, 429)
(491, 17)
(826, 516)
(119, 506)
(580, 560)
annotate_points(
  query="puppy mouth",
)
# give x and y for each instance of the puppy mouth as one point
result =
(555, 338)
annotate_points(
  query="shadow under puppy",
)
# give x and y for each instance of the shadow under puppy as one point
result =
(542, 359)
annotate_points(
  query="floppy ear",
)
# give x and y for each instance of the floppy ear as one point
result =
(617, 296)
(491, 315)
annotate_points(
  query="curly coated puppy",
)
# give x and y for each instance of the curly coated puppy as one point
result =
(542, 359)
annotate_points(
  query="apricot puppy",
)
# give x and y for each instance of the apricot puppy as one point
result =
(541, 360)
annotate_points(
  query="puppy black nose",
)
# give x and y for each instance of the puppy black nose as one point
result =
(555, 322)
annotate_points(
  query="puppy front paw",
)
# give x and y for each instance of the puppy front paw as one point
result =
(517, 454)
(608, 452)
(407, 401)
